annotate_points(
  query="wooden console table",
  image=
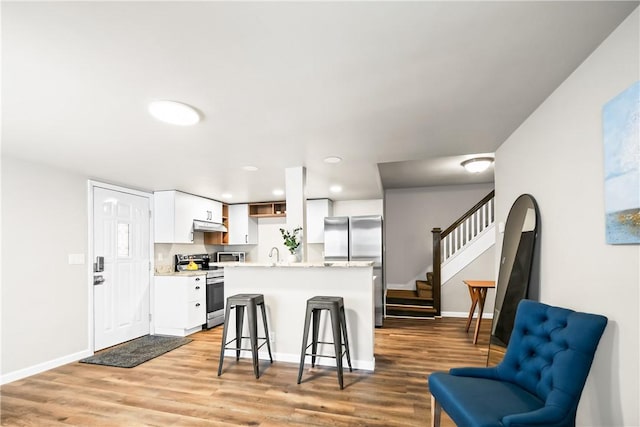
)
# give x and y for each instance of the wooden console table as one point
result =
(478, 293)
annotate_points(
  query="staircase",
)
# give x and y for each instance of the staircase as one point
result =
(453, 249)
(418, 303)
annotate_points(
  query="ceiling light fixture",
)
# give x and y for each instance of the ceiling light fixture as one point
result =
(278, 192)
(175, 113)
(332, 159)
(250, 168)
(227, 195)
(477, 165)
(335, 189)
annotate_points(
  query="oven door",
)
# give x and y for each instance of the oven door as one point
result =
(215, 301)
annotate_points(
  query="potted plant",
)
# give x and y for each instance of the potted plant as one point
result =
(292, 242)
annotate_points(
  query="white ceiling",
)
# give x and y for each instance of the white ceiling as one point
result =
(283, 84)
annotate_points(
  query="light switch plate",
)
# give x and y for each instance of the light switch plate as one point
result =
(76, 259)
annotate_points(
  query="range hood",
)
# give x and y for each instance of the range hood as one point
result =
(208, 226)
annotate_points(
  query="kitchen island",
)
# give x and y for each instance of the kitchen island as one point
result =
(286, 288)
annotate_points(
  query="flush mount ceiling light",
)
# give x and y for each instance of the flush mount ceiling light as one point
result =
(278, 192)
(250, 168)
(332, 159)
(477, 165)
(227, 195)
(335, 189)
(175, 113)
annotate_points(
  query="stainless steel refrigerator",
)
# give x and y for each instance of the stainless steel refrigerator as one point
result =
(358, 238)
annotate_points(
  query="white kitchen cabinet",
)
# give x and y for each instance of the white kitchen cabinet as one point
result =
(180, 304)
(174, 212)
(207, 210)
(317, 210)
(243, 229)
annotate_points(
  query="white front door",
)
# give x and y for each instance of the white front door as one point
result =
(121, 236)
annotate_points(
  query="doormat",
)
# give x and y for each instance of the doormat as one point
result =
(137, 351)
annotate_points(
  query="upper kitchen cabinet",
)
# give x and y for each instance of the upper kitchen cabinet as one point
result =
(207, 210)
(317, 210)
(243, 229)
(175, 212)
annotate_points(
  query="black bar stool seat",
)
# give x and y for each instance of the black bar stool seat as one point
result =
(315, 306)
(239, 302)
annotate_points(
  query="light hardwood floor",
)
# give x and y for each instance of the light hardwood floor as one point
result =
(181, 388)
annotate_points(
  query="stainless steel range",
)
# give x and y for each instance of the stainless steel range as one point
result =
(215, 297)
(215, 285)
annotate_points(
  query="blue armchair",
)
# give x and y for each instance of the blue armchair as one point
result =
(539, 381)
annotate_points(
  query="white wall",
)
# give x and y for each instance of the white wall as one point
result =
(358, 207)
(410, 215)
(557, 156)
(455, 294)
(44, 299)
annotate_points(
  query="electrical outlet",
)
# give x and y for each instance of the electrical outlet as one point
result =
(272, 337)
(160, 257)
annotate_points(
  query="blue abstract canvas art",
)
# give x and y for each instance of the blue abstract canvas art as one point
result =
(621, 134)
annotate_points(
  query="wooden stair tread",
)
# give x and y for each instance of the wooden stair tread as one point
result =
(401, 293)
(412, 307)
(411, 311)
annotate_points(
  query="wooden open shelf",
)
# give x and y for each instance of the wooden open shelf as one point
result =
(268, 209)
(219, 238)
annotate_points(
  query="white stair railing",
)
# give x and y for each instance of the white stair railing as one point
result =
(467, 231)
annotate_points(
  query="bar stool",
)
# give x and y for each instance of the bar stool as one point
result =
(315, 306)
(239, 302)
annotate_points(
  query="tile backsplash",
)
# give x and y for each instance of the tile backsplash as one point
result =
(164, 252)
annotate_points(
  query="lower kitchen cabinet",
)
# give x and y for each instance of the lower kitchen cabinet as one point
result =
(180, 304)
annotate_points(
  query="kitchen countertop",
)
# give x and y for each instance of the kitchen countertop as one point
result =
(340, 264)
(182, 273)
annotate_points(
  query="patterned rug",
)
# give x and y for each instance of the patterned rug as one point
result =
(135, 352)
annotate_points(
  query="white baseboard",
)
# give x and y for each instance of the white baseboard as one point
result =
(42, 367)
(465, 314)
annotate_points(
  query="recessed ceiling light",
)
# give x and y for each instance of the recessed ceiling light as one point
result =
(477, 165)
(250, 168)
(278, 192)
(332, 159)
(175, 113)
(227, 195)
(335, 188)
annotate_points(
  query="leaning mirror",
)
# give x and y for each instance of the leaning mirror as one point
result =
(515, 272)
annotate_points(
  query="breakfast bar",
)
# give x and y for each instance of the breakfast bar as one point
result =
(287, 287)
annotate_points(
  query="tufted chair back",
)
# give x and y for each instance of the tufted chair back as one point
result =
(550, 353)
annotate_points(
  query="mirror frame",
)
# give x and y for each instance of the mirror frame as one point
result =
(521, 232)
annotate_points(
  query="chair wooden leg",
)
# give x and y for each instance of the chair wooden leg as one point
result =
(436, 409)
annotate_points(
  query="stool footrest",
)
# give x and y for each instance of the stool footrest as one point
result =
(244, 349)
(324, 355)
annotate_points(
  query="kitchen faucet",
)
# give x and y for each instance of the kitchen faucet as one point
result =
(277, 253)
